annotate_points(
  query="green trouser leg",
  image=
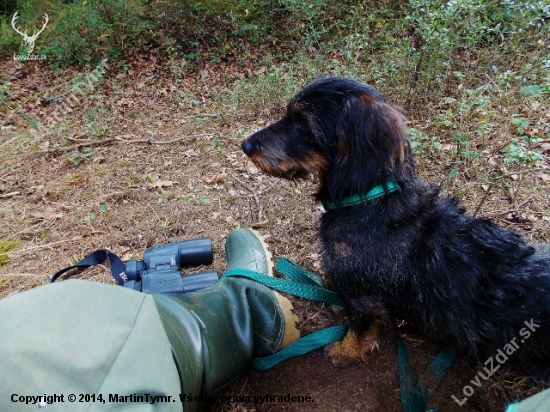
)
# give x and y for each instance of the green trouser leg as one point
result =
(104, 345)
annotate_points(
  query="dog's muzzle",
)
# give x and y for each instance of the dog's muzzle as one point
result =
(248, 147)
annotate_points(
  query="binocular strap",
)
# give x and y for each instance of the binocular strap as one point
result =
(118, 268)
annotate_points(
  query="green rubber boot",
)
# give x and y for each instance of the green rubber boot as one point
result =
(215, 332)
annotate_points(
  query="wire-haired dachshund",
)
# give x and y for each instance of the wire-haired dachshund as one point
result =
(392, 245)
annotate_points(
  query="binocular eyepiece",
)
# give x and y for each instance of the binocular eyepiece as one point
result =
(158, 272)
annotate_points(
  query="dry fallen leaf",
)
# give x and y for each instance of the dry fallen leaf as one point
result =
(216, 179)
(77, 181)
(531, 131)
(161, 183)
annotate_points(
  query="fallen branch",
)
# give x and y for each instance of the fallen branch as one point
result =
(524, 203)
(77, 146)
(78, 140)
(259, 224)
(133, 141)
(43, 246)
(154, 141)
(57, 98)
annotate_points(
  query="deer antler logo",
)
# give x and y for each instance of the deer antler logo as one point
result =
(29, 40)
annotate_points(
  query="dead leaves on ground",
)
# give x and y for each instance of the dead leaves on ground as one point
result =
(220, 177)
(161, 183)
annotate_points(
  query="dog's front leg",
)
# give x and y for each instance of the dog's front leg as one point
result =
(360, 341)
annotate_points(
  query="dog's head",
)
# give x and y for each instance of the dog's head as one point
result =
(342, 131)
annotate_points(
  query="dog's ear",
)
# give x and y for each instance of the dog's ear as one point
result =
(372, 144)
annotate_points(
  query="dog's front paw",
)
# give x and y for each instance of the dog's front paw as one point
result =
(340, 356)
(353, 348)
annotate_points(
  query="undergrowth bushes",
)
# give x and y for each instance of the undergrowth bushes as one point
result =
(90, 30)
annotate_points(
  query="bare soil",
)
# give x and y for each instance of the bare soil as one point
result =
(89, 187)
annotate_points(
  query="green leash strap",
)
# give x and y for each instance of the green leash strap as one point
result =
(306, 291)
(304, 284)
(414, 397)
(301, 346)
(404, 372)
(436, 371)
(297, 273)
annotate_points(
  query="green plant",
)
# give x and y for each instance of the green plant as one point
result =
(268, 87)
(5, 247)
(417, 140)
(516, 152)
(521, 123)
(89, 31)
(444, 32)
(5, 95)
(77, 158)
(520, 149)
(91, 218)
(217, 145)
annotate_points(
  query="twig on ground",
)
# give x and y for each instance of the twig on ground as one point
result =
(259, 224)
(483, 199)
(78, 145)
(524, 203)
(511, 195)
(12, 252)
(313, 316)
(11, 194)
(79, 140)
(120, 138)
(256, 199)
(57, 98)
(520, 172)
(154, 141)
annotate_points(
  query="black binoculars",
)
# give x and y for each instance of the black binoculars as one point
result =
(158, 272)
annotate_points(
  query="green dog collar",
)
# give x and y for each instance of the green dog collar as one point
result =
(374, 193)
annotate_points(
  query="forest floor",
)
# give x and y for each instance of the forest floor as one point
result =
(95, 183)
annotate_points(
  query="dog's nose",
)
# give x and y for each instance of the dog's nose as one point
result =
(248, 147)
